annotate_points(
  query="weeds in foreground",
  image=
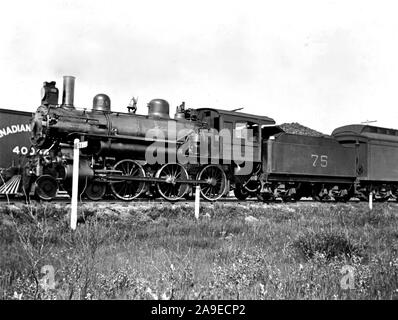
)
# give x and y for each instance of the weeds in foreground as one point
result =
(294, 253)
(330, 244)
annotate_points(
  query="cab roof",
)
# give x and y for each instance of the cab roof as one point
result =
(227, 114)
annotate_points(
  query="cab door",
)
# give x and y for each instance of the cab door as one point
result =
(226, 142)
(248, 138)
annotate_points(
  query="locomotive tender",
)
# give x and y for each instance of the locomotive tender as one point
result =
(354, 161)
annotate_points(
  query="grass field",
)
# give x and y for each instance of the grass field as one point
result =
(159, 251)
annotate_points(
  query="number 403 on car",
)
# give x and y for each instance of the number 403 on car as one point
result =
(24, 150)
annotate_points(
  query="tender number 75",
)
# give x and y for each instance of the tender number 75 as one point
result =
(321, 160)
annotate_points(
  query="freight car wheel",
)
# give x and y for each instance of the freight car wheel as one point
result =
(95, 190)
(171, 189)
(216, 181)
(128, 189)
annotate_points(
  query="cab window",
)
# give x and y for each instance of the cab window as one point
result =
(241, 126)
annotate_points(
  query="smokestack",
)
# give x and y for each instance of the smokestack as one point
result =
(68, 92)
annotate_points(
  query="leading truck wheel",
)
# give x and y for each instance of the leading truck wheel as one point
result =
(215, 182)
(46, 187)
(171, 188)
(128, 189)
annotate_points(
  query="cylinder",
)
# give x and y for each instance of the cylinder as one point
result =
(85, 171)
(68, 92)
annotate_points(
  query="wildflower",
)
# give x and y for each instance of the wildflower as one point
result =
(152, 294)
(262, 289)
(17, 296)
(165, 297)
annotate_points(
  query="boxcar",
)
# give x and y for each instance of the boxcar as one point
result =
(14, 137)
(377, 151)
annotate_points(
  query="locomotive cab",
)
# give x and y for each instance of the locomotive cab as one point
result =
(240, 135)
(235, 123)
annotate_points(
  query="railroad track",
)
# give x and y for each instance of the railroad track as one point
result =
(135, 201)
(65, 200)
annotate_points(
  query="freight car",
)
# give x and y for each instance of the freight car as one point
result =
(15, 148)
(376, 151)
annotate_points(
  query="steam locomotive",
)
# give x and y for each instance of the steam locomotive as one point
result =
(116, 157)
(355, 161)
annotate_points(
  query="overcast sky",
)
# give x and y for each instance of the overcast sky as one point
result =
(320, 63)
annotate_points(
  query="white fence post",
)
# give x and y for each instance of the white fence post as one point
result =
(75, 180)
(371, 200)
(197, 199)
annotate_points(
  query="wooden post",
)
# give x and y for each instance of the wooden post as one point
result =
(75, 180)
(371, 200)
(75, 184)
(197, 199)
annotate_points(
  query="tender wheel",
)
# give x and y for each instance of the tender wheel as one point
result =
(171, 189)
(297, 196)
(382, 195)
(215, 179)
(252, 186)
(95, 190)
(342, 196)
(290, 195)
(240, 192)
(46, 187)
(318, 194)
(128, 189)
(265, 197)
